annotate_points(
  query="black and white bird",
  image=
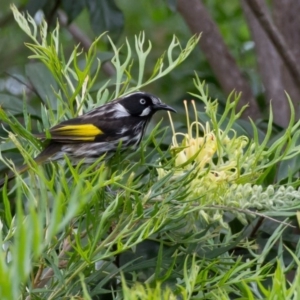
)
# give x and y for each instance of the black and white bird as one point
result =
(119, 123)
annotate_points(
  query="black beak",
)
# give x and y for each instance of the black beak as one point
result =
(162, 106)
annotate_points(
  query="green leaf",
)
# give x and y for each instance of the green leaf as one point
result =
(44, 84)
(105, 16)
(14, 105)
(289, 167)
(73, 8)
(172, 4)
(34, 5)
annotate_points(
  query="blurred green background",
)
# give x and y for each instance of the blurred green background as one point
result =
(158, 19)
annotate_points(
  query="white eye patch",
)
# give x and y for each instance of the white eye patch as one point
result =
(145, 112)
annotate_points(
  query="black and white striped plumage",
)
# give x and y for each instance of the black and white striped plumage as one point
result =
(121, 122)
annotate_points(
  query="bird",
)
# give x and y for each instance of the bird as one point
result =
(120, 123)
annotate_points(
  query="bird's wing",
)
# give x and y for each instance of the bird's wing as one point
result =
(75, 130)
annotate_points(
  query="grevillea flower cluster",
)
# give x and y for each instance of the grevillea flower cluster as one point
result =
(212, 156)
(217, 161)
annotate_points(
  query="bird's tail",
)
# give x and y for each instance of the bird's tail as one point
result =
(48, 152)
(11, 175)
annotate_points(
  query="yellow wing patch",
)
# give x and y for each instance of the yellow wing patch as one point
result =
(80, 132)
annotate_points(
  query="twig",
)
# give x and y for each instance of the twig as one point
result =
(228, 208)
(38, 274)
(67, 246)
(249, 212)
(256, 227)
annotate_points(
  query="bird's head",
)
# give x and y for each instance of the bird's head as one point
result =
(142, 104)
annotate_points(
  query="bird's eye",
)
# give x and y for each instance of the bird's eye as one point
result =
(143, 101)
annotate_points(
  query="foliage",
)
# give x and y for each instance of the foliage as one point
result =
(104, 14)
(223, 166)
(141, 226)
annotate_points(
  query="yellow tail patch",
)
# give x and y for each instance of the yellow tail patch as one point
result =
(82, 130)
